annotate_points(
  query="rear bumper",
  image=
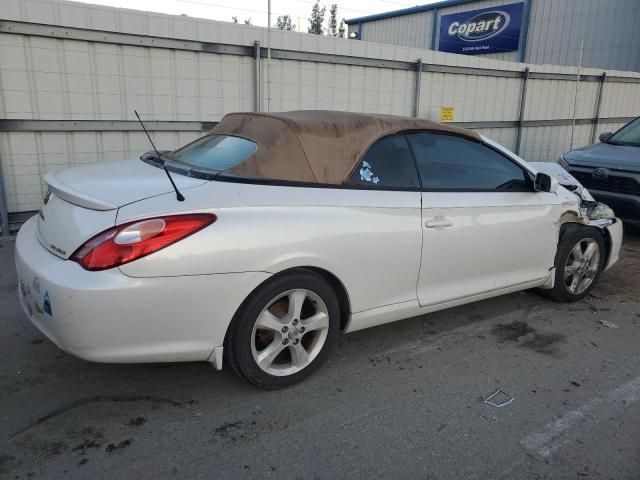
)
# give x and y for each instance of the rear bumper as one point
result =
(107, 316)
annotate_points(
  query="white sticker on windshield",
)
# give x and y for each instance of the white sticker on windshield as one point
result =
(367, 175)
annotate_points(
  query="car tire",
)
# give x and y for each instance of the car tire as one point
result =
(294, 311)
(579, 260)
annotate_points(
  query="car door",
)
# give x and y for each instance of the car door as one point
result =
(484, 227)
(385, 258)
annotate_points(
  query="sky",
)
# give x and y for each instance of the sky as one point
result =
(256, 10)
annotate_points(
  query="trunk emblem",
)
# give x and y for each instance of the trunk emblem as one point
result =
(58, 250)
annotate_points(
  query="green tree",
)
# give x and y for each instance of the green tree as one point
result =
(235, 19)
(333, 20)
(248, 21)
(317, 19)
(284, 23)
(342, 29)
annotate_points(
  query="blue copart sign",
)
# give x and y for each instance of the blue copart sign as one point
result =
(477, 32)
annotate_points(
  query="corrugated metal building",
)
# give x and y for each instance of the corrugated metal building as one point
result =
(548, 31)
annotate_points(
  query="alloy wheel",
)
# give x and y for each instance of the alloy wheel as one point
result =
(290, 332)
(582, 266)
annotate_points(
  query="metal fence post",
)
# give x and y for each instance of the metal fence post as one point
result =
(523, 104)
(416, 99)
(4, 214)
(434, 27)
(258, 83)
(596, 119)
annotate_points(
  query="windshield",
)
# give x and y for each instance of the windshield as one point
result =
(628, 135)
(215, 152)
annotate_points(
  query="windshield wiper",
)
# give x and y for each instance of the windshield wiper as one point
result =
(179, 196)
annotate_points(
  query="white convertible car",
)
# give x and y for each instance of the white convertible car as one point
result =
(285, 230)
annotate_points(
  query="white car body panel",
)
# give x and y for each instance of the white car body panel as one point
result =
(177, 303)
(108, 185)
(62, 226)
(85, 199)
(392, 313)
(479, 226)
(354, 234)
(106, 316)
(563, 177)
(615, 234)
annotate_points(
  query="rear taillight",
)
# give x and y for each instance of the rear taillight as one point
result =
(134, 240)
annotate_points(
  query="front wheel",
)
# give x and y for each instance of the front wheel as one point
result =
(579, 260)
(284, 330)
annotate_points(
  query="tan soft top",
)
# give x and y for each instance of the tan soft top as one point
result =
(315, 145)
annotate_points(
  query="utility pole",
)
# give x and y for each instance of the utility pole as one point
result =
(268, 55)
(575, 96)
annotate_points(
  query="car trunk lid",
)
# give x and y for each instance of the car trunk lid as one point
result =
(83, 201)
(109, 185)
(64, 226)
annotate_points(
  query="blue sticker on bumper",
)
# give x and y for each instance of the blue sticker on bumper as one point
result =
(47, 304)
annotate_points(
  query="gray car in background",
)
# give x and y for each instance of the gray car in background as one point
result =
(610, 170)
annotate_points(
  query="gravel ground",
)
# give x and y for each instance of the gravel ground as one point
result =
(401, 400)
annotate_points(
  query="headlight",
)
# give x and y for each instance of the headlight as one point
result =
(600, 211)
(562, 162)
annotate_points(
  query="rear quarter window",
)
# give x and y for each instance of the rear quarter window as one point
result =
(387, 164)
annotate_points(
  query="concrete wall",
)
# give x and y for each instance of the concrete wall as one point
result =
(182, 71)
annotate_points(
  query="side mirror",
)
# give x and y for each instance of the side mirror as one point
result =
(545, 183)
(605, 136)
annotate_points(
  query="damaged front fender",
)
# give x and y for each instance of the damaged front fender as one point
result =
(590, 212)
(586, 211)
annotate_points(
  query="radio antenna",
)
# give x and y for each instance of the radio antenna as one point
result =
(179, 196)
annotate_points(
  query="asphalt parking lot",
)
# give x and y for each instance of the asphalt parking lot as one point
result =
(402, 400)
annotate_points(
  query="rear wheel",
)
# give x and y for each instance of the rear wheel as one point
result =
(579, 260)
(284, 330)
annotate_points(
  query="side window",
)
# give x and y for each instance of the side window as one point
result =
(448, 162)
(387, 164)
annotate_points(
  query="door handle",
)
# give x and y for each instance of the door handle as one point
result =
(438, 222)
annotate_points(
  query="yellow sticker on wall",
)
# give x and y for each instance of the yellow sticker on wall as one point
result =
(447, 113)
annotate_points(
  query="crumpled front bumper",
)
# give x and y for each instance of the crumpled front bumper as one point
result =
(615, 232)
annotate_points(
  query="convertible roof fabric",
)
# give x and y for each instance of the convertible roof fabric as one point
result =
(315, 146)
